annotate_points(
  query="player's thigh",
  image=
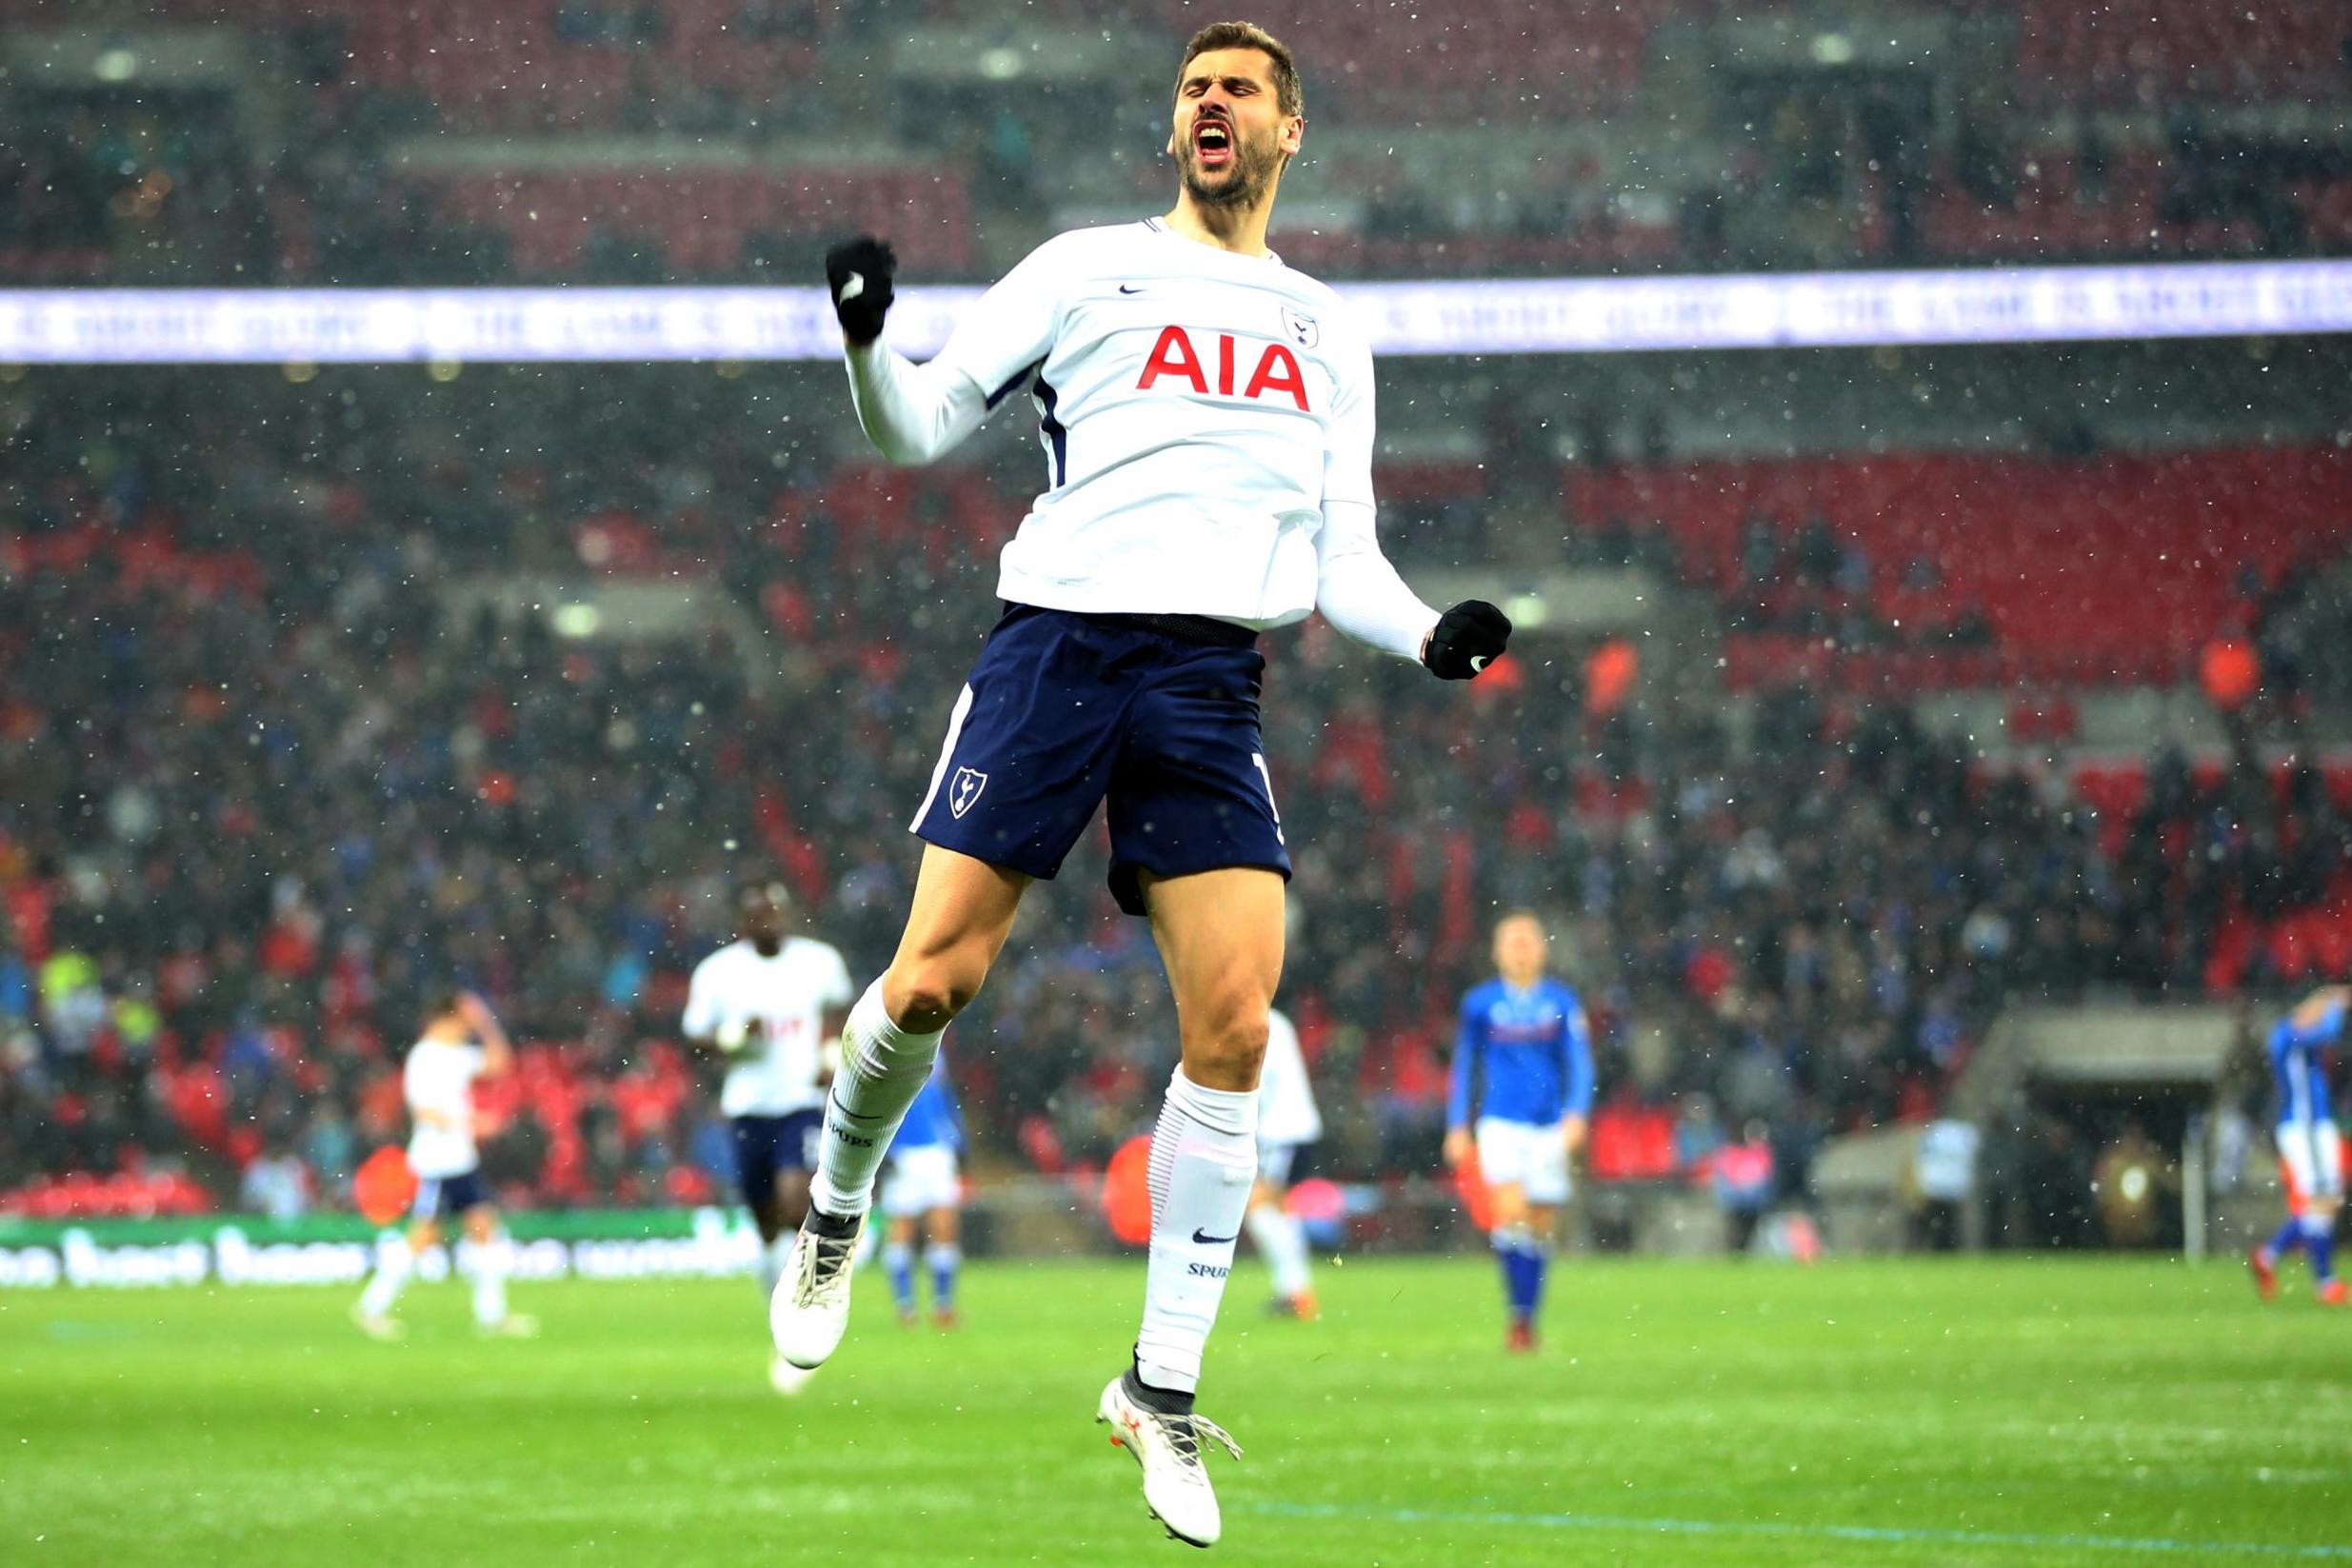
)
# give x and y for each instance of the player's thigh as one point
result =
(1545, 1173)
(1191, 791)
(2310, 1164)
(963, 912)
(941, 1223)
(788, 1204)
(1502, 1151)
(1507, 1205)
(1221, 936)
(757, 1157)
(902, 1190)
(1274, 1166)
(1518, 1165)
(1029, 754)
(480, 1222)
(1542, 1220)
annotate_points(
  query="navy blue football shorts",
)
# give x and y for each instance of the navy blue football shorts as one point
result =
(1156, 714)
(448, 1197)
(768, 1145)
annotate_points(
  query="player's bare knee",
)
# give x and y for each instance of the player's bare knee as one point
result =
(1228, 1053)
(925, 994)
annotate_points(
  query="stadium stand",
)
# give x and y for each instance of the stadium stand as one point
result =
(272, 768)
(2131, 137)
(268, 779)
(2167, 50)
(1923, 570)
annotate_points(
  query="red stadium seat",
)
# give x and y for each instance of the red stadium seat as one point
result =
(2054, 553)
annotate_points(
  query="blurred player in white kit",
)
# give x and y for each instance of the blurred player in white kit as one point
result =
(770, 1003)
(461, 1041)
(1288, 1122)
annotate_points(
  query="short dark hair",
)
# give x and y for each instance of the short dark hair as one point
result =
(1217, 35)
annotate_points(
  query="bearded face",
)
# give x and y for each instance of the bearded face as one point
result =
(1231, 137)
(1228, 165)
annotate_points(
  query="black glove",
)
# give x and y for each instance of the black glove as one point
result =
(1469, 638)
(858, 272)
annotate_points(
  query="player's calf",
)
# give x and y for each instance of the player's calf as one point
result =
(1204, 1163)
(898, 1263)
(883, 1068)
(2264, 1265)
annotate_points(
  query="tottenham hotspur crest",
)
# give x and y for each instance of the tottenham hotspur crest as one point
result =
(964, 788)
(1300, 326)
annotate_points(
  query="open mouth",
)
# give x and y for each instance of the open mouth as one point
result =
(1213, 144)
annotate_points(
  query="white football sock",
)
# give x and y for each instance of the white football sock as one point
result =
(394, 1263)
(882, 1068)
(1282, 1244)
(1204, 1162)
(491, 1261)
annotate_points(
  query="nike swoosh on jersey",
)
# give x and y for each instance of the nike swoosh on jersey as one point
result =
(1207, 1240)
(852, 286)
(1126, 289)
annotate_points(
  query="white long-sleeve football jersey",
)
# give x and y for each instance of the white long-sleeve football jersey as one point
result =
(1206, 420)
(786, 996)
(1286, 1109)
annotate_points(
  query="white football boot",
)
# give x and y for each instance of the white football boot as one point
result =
(810, 1311)
(1176, 1485)
(785, 1378)
(379, 1326)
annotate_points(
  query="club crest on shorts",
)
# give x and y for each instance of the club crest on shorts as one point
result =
(964, 788)
(1300, 326)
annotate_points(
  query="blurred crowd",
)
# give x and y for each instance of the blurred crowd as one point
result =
(318, 165)
(289, 738)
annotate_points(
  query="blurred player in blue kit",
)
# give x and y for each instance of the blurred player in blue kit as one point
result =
(1520, 1094)
(2311, 1146)
(922, 1186)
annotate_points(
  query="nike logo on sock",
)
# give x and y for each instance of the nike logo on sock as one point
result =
(1207, 1240)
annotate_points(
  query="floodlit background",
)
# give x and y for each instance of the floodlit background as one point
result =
(1898, 739)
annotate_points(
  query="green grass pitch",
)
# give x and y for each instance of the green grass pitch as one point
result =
(2011, 1412)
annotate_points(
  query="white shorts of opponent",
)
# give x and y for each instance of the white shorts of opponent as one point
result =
(1535, 1157)
(920, 1180)
(1274, 1163)
(2310, 1161)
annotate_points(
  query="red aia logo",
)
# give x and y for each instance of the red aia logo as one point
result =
(1277, 371)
